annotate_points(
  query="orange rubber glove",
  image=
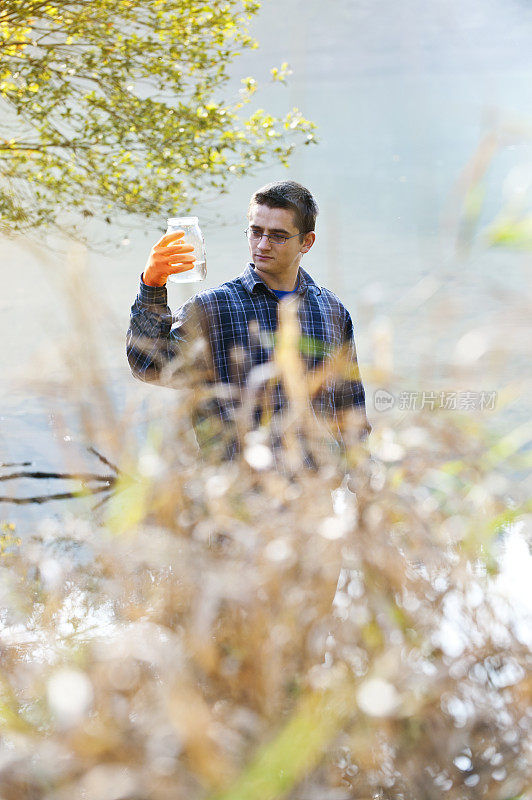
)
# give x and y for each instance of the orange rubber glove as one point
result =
(168, 256)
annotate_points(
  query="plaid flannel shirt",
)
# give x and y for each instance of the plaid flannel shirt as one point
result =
(239, 320)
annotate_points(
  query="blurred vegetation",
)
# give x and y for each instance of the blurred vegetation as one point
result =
(511, 226)
(191, 639)
(117, 107)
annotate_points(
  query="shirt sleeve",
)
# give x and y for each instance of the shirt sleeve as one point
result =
(349, 390)
(157, 340)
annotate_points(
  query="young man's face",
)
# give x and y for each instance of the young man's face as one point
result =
(276, 261)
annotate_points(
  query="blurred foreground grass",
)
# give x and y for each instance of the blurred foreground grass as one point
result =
(237, 631)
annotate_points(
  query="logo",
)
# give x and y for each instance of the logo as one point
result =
(383, 400)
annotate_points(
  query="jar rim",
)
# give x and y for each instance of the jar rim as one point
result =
(182, 221)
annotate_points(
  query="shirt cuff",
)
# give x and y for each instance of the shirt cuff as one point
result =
(152, 295)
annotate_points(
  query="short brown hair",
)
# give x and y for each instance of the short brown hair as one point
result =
(289, 194)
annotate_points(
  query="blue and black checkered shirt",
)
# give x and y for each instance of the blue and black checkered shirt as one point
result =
(239, 320)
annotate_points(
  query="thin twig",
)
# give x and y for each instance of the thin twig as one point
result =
(97, 506)
(21, 501)
(103, 459)
(66, 476)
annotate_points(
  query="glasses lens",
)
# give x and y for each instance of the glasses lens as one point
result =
(275, 238)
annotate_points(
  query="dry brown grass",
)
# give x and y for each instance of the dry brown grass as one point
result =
(197, 653)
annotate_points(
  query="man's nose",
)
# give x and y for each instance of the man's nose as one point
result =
(264, 241)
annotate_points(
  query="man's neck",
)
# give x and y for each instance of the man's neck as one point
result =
(280, 283)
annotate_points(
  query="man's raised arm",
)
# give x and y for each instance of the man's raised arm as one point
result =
(154, 336)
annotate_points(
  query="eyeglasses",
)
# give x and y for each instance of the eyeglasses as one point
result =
(255, 235)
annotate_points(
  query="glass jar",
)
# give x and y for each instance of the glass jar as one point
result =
(194, 236)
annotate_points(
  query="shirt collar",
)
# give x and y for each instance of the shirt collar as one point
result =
(250, 280)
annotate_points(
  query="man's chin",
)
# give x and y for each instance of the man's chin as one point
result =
(261, 260)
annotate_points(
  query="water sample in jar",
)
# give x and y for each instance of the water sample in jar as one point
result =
(193, 236)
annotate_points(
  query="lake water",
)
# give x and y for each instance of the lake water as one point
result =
(403, 94)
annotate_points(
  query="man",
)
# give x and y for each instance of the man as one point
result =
(238, 318)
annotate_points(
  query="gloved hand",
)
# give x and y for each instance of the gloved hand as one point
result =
(168, 256)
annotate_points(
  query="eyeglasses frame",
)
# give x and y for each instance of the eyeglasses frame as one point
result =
(267, 235)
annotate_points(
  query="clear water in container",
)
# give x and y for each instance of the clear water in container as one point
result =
(193, 236)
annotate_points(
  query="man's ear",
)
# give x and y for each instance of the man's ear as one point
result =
(308, 241)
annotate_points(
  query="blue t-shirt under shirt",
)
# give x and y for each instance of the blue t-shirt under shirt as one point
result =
(280, 293)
